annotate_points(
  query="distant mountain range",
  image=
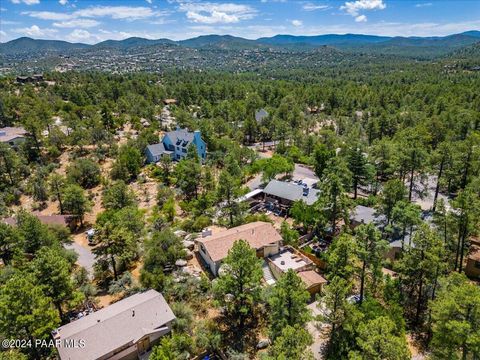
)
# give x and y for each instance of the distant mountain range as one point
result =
(349, 42)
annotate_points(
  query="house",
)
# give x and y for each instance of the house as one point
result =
(313, 281)
(50, 220)
(472, 266)
(289, 258)
(13, 136)
(175, 144)
(286, 193)
(260, 235)
(365, 215)
(155, 152)
(124, 330)
(23, 79)
(260, 115)
(29, 79)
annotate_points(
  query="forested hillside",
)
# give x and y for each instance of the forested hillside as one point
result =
(399, 136)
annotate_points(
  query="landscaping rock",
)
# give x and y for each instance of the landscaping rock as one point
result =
(263, 343)
(181, 263)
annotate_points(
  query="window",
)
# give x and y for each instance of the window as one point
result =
(184, 150)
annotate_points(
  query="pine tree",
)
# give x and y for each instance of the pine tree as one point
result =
(288, 304)
(370, 250)
(238, 287)
(456, 319)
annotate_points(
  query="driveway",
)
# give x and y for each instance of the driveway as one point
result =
(86, 258)
(319, 338)
(300, 172)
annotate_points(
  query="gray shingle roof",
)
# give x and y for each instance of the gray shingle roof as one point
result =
(290, 191)
(157, 149)
(182, 136)
(120, 324)
(366, 215)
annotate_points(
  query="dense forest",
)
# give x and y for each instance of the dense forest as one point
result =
(377, 133)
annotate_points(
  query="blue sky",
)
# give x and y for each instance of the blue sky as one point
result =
(94, 21)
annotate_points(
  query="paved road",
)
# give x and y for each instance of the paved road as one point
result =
(302, 172)
(85, 259)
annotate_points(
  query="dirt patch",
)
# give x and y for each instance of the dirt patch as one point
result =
(415, 347)
(105, 300)
(146, 194)
(278, 220)
(81, 239)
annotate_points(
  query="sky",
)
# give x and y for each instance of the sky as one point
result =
(90, 21)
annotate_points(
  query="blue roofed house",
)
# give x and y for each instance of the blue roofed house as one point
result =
(175, 144)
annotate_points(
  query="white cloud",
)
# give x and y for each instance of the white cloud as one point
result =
(149, 1)
(217, 13)
(297, 23)
(2, 35)
(354, 8)
(48, 15)
(9, 22)
(361, 18)
(36, 31)
(3, 9)
(79, 35)
(313, 7)
(114, 12)
(420, 5)
(63, 2)
(77, 23)
(26, 2)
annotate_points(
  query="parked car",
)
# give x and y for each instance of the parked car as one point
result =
(90, 236)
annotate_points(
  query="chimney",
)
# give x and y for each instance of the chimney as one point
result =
(196, 134)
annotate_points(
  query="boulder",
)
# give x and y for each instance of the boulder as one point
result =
(181, 263)
(180, 233)
(263, 343)
(188, 244)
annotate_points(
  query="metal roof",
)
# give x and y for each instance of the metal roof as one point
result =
(291, 191)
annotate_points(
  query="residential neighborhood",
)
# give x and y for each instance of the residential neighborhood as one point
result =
(251, 180)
